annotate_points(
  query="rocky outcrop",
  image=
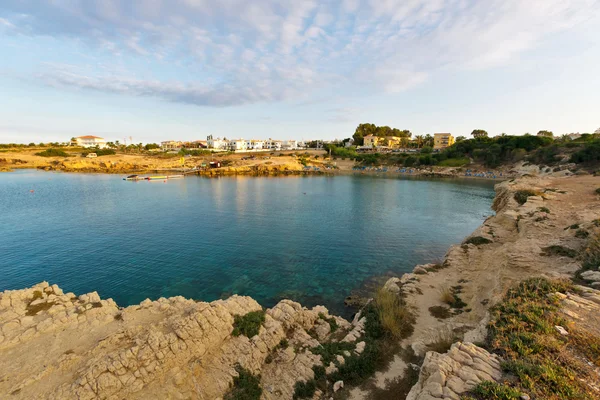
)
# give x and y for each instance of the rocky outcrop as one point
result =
(447, 376)
(56, 345)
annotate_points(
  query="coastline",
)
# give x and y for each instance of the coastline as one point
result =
(152, 340)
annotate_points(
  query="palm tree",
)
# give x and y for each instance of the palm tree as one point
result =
(419, 141)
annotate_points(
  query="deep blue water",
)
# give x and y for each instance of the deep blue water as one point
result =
(312, 239)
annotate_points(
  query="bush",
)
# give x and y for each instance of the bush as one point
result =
(477, 240)
(331, 321)
(556, 250)
(454, 162)
(521, 196)
(581, 234)
(305, 390)
(52, 153)
(99, 152)
(598, 191)
(249, 324)
(245, 386)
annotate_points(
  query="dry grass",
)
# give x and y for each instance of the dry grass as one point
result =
(446, 295)
(396, 318)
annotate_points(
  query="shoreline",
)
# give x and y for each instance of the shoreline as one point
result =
(154, 339)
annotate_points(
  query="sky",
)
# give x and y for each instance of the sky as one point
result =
(184, 69)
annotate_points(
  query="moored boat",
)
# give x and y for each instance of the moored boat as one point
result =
(133, 178)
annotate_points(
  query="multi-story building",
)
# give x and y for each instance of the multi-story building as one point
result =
(289, 145)
(371, 141)
(274, 144)
(442, 140)
(89, 141)
(171, 145)
(253, 144)
(237, 145)
(217, 144)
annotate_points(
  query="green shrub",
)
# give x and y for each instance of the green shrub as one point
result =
(454, 162)
(582, 234)
(305, 390)
(544, 209)
(477, 240)
(556, 250)
(249, 324)
(331, 321)
(330, 350)
(521, 196)
(99, 152)
(52, 153)
(245, 386)
(598, 191)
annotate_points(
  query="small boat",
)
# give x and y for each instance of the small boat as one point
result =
(133, 178)
(155, 178)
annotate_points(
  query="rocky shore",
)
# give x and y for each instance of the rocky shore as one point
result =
(61, 345)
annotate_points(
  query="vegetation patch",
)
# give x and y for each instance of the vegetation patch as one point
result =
(574, 226)
(440, 312)
(249, 324)
(37, 308)
(544, 209)
(246, 386)
(52, 153)
(332, 322)
(451, 296)
(305, 390)
(454, 162)
(487, 390)
(394, 314)
(598, 191)
(477, 240)
(99, 152)
(557, 250)
(330, 350)
(545, 364)
(521, 196)
(582, 234)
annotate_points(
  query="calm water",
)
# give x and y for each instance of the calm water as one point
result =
(312, 239)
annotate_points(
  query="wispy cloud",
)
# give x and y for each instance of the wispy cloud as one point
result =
(266, 51)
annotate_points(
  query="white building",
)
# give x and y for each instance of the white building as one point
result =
(289, 145)
(253, 144)
(237, 145)
(90, 141)
(217, 144)
(274, 144)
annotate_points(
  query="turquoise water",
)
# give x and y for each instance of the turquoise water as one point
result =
(312, 239)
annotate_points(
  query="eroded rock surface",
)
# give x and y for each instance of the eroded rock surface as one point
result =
(56, 345)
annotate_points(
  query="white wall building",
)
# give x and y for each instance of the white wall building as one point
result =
(217, 144)
(289, 145)
(237, 145)
(274, 144)
(90, 141)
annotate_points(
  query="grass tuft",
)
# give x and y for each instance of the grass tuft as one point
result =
(395, 316)
(560, 251)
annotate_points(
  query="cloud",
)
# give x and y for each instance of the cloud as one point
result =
(268, 51)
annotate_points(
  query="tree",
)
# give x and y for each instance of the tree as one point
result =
(419, 140)
(479, 133)
(545, 134)
(151, 146)
(597, 132)
(460, 138)
(363, 130)
(428, 141)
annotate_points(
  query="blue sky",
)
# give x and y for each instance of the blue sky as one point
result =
(183, 69)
